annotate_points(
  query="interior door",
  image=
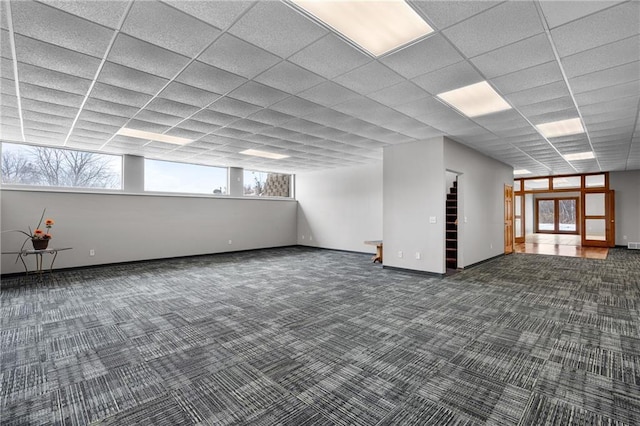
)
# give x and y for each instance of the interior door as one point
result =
(518, 219)
(598, 221)
(508, 219)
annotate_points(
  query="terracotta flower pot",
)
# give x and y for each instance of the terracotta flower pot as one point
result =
(39, 244)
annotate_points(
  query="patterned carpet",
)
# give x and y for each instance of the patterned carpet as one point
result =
(299, 336)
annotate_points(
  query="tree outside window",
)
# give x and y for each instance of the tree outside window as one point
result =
(44, 166)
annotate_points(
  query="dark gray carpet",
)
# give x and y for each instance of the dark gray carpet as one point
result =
(299, 336)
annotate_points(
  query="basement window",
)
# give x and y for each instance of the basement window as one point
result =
(267, 184)
(33, 165)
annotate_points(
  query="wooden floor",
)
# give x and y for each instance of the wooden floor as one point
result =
(559, 245)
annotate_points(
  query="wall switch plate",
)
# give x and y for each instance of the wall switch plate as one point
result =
(465, 219)
(418, 255)
(432, 219)
(230, 242)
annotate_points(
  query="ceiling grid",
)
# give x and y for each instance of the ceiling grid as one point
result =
(263, 75)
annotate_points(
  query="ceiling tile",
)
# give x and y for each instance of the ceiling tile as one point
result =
(605, 78)
(399, 94)
(249, 126)
(210, 78)
(369, 78)
(328, 94)
(538, 94)
(51, 96)
(221, 16)
(608, 93)
(52, 79)
(479, 34)
(147, 126)
(54, 26)
(214, 117)
(289, 78)
(234, 107)
(99, 105)
(296, 106)
(107, 13)
(119, 95)
(270, 117)
(102, 118)
(33, 105)
(528, 78)
(604, 27)
(158, 117)
(344, 57)
(515, 57)
(55, 58)
(560, 12)
(198, 126)
(5, 45)
(188, 94)
(180, 33)
(422, 107)
(170, 107)
(237, 56)
(277, 28)
(452, 77)
(446, 13)
(422, 57)
(554, 105)
(129, 78)
(146, 57)
(258, 94)
(603, 57)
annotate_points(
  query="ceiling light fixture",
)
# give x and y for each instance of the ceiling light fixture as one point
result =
(521, 172)
(555, 129)
(475, 100)
(376, 26)
(263, 154)
(579, 156)
(158, 137)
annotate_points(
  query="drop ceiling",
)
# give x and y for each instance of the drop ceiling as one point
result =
(236, 75)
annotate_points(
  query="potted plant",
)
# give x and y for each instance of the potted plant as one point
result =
(39, 238)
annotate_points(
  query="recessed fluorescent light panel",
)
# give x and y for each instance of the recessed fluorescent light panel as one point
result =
(554, 129)
(158, 137)
(521, 172)
(475, 100)
(376, 26)
(263, 154)
(579, 156)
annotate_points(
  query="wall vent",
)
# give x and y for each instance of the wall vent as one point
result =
(634, 246)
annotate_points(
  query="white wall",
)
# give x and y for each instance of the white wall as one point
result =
(340, 208)
(124, 228)
(627, 187)
(481, 202)
(414, 191)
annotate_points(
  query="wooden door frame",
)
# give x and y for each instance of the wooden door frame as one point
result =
(608, 217)
(556, 216)
(509, 240)
(521, 216)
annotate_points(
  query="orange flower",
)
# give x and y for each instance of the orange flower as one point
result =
(38, 232)
(47, 236)
(49, 222)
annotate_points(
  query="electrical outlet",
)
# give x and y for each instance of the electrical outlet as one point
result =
(465, 219)
(624, 237)
(418, 255)
(303, 237)
(400, 253)
(432, 219)
(310, 237)
(230, 242)
(92, 252)
(490, 245)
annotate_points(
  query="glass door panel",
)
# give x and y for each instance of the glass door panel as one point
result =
(596, 229)
(546, 216)
(567, 215)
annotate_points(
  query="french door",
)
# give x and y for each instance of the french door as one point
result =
(598, 220)
(557, 215)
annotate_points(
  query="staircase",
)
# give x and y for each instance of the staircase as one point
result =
(451, 241)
